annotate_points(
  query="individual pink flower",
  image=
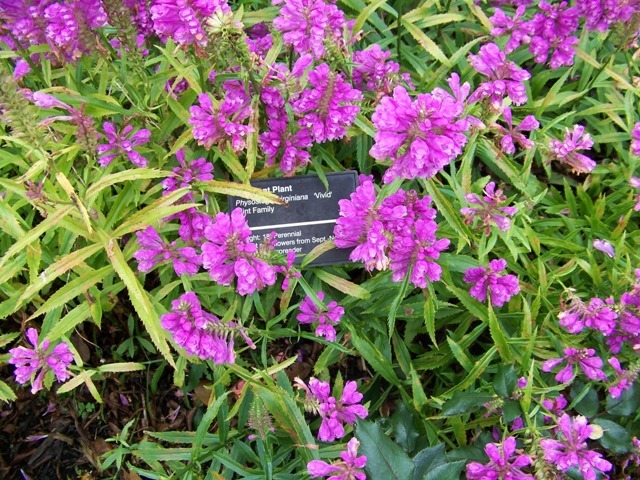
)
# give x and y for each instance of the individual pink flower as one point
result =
(552, 34)
(359, 226)
(511, 136)
(400, 211)
(623, 378)
(504, 78)
(567, 152)
(635, 143)
(183, 20)
(347, 469)
(490, 210)
(259, 39)
(329, 106)
(516, 27)
(334, 413)
(123, 143)
(419, 136)
(590, 365)
(201, 333)
(187, 173)
(486, 282)
(229, 254)
(325, 318)
(192, 225)
(154, 250)
(604, 247)
(287, 270)
(598, 314)
(570, 448)
(21, 69)
(32, 364)
(555, 405)
(306, 24)
(501, 463)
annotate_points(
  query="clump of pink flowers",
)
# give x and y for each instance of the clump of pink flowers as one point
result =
(199, 332)
(575, 315)
(504, 462)
(490, 209)
(552, 34)
(334, 413)
(229, 254)
(33, 364)
(183, 20)
(511, 135)
(348, 469)
(635, 143)
(569, 449)
(187, 173)
(154, 250)
(488, 283)
(325, 318)
(123, 143)
(585, 358)
(567, 151)
(372, 71)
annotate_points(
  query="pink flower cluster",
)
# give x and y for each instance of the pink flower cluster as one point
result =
(487, 283)
(585, 358)
(502, 463)
(490, 210)
(400, 233)
(326, 318)
(567, 152)
(334, 413)
(183, 20)
(511, 136)
(347, 469)
(33, 364)
(373, 72)
(154, 250)
(199, 332)
(122, 143)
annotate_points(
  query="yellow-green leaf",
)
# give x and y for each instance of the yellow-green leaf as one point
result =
(241, 190)
(345, 286)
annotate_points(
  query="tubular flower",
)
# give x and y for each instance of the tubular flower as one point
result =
(326, 318)
(511, 135)
(420, 137)
(489, 209)
(32, 364)
(501, 464)
(486, 281)
(187, 173)
(289, 148)
(307, 23)
(566, 152)
(155, 250)
(570, 449)
(598, 315)
(624, 378)
(590, 365)
(328, 107)
(515, 26)
(505, 78)
(348, 469)
(602, 14)
(183, 20)
(635, 143)
(123, 143)
(359, 226)
(199, 332)
(228, 254)
(552, 32)
(372, 71)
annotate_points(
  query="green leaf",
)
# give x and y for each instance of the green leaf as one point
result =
(427, 459)
(374, 357)
(451, 214)
(345, 286)
(241, 190)
(498, 336)
(395, 305)
(205, 423)
(627, 404)
(464, 402)
(429, 45)
(505, 380)
(121, 367)
(139, 298)
(120, 177)
(366, 13)
(69, 321)
(6, 394)
(385, 459)
(448, 471)
(614, 437)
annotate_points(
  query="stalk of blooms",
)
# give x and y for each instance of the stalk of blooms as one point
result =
(289, 148)
(420, 137)
(501, 463)
(600, 15)
(306, 24)
(229, 254)
(505, 78)
(199, 332)
(552, 32)
(623, 378)
(635, 183)
(347, 469)
(597, 314)
(486, 282)
(359, 226)
(567, 152)
(334, 413)
(570, 448)
(326, 318)
(259, 39)
(372, 71)
(222, 123)
(155, 250)
(516, 27)
(590, 365)
(329, 106)
(489, 209)
(193, 225)
(123, 143)
(183, 20)
(187, 173)
(635, 143)
(32, 364)
(287, 270)
(511, 136)
(400, 211)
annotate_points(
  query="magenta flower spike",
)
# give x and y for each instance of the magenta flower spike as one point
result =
(517, 29)
(512, 136)
(229, 254)
(32, 364)
(635, 143)
(623, 378)
(187, 173)
(502, 463)
(183, 20)
(604, 247)
(504, 78)
(601, 15)
(552, 34)
(570, 448)
(585, 358)
(289, 148)
(347, 469)
(486, 282)
(154, 250)
(597, 314)
(490, 210)
(287, 270)
(123, 143)
(567, 152)
(325, 318)
(373, 72)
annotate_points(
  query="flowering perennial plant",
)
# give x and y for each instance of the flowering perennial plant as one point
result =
(123, 143)
(586, 359)
(490, 209)
(326, 318)
(566, 152)
(488, 284)
(511, 136)
(501, 463)
(347, 469)
(154, 250)
(33, 364)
